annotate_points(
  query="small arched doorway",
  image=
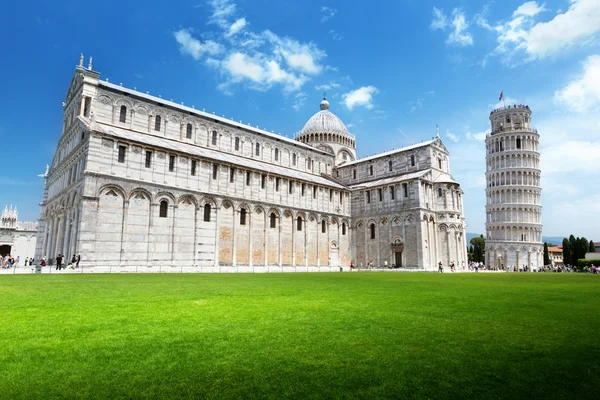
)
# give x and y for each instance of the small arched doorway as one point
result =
(5, 250)
(333, 255)
(397, 250)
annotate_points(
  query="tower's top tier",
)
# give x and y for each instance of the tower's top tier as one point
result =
(511, 118)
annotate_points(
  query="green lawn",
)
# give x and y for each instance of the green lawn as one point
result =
(343, 335)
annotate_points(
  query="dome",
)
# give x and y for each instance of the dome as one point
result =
(325, 122)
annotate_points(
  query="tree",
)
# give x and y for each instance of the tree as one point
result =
(592, 247)
(583, 247)
(546, 254)
(478, 245)
(566, 251)
(572, 250)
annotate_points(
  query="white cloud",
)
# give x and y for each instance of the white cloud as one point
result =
(195, 48)
(258, 60)
(303, 57)
(579, 22)
(327, 13)
(299, 100)
(222, 11)
(529, 9)
(583, 94)
(452, 136)
(237, 26)
(459, 35)
(480, 137)
(328, 86)
(335, 35)
(439, 19)
(360, 97)
(261, 73)
(574, 27)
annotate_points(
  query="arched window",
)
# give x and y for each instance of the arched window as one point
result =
(243, 216)
(390, 165)
(273, 221)
(323, 227)
(207, 213)
(214, 138)
(299, 224)
(518, 143)
(258, 149)
(237, 144)
(164, 207)
(370, 170)
(343, 228)
(294, 159)
(188, 131)
(276, 154)
(372, 229)
(123, 114)
(157, 122)
(344, 156)
(440, 192)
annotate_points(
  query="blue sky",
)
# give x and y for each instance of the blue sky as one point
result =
(392, 70)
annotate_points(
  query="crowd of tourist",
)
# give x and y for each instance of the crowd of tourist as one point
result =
(9, 261)
(592, 269)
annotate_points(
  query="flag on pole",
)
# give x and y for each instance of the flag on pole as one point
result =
(501, 95)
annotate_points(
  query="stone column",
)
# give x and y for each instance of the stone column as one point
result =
(448, 245)
(173, 226)
(150, 222)
(49, 239)
(435, 241)
(266, 232)
(377, 239)
(123, 230)
(318, 232)
(217, 222)
(279, 255)
(367, 238)
(305, 242)
(195, 257)
(250, 263)
(234, 238)
(294, 230)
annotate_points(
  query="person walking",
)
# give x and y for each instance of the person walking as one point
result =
(58, 262)
(440, 267)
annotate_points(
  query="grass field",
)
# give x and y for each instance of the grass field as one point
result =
(359, 335)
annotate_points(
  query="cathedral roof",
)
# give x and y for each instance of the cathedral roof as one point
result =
(390, 153)
(207, 115)
(325, 122)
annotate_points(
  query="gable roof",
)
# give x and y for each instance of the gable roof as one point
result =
(388, 153)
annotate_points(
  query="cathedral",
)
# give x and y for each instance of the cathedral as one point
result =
(17, 238)
(138, 181)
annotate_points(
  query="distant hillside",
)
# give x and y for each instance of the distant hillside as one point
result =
(555, 240)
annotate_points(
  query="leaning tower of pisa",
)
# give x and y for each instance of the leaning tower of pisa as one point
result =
(513, 209)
